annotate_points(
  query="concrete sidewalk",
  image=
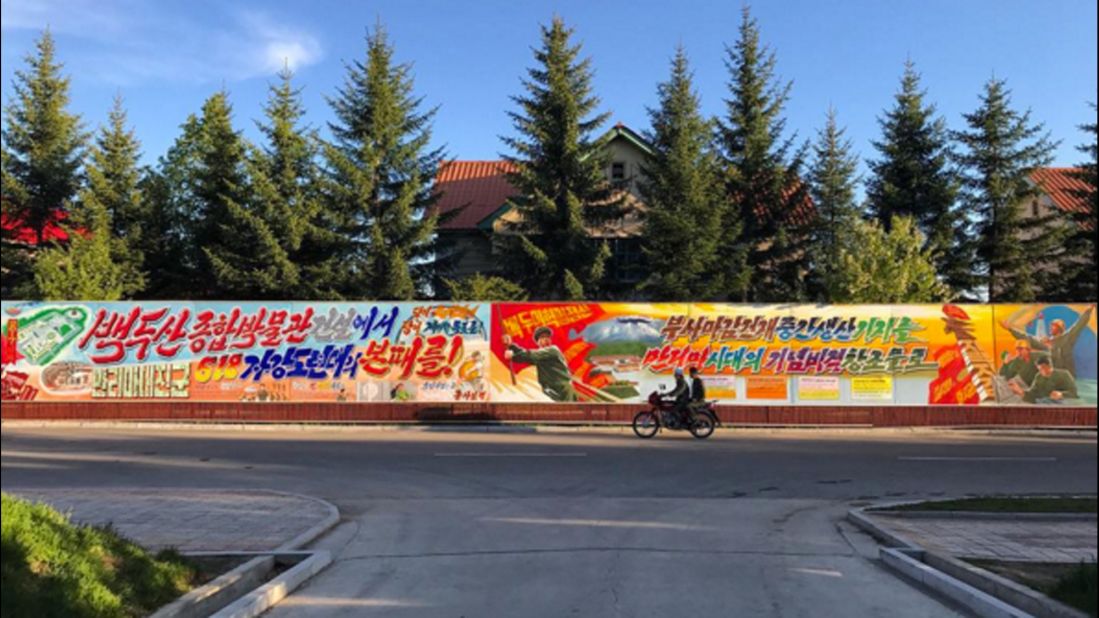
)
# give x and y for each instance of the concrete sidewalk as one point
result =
(193, 520)
(1026, 539)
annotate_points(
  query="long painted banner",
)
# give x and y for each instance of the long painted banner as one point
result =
(548, 352)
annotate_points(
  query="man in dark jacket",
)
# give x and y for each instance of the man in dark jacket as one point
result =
(698, 389)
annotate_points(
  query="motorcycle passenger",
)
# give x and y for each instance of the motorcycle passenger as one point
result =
(698, 389)
(681, 394)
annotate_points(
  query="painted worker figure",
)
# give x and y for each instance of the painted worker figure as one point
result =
(1049, 386)
(553, 370)
(1060, 343)
(1023, 364)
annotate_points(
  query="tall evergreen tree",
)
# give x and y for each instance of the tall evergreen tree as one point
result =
(913, 177)
(833, 179)
(762, 174)
(562, 189)
(235, 254)
(1079, 266)
(1000, 150)
(113, 179)
(288, 196)
(43, 148)
(684, 198)
(381, 177)
(171, 263)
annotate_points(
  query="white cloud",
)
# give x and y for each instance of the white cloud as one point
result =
(129, 41)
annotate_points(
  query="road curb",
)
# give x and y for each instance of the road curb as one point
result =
(315, 532)
(971, 515)
(266, 596)
(981, 591)
(981, 603)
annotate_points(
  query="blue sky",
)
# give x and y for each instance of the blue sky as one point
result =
(165, 57)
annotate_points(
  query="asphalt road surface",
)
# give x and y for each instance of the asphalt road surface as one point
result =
(446, 523)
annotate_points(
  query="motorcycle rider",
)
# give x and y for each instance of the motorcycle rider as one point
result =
(681, 394)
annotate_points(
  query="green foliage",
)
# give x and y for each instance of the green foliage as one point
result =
(762, 172)
(481, 287)
(84, 267)
(913, 178)
(559, 176)
(620, 348)
(833, 179)
(381, 177)
(1001, 149)
(684, 198)
(1078, 270)
(170, 259)
(288, 196)
(879, 266)
(51, 567)
(42, 151)
(1079, 589)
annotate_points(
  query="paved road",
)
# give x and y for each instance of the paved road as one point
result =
(474, 524)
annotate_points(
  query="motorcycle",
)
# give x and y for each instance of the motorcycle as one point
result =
(662, 414)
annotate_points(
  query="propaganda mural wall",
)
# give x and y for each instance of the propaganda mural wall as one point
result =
(805, 355)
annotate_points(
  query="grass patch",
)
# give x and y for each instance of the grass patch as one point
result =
(1071, 584)
(1006, 504)
(52, 567)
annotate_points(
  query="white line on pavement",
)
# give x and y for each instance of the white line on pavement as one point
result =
(977, 458)
(519, 454)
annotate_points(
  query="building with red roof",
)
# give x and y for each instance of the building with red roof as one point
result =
(473, 205)
(1061, 191)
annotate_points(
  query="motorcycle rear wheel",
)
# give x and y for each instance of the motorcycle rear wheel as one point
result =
(702, 426)
(645, 424)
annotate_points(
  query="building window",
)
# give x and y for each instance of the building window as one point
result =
(1034, 208)
(618, 170)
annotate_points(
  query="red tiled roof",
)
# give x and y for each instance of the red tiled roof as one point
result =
(481, 187)
(24, 234)
(1063, 186)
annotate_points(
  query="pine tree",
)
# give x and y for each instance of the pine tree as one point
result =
(171, 263)
(84, 267)
(43, 148)
(833, 179)
(288, 196)
(481, 287)
(891, 267)
(684, 197)
(1078, 269)
(913, 177)
(1001, 149)
(562, 190)
(239, 255)
(112, 186)
(381, 177)
(762, 175)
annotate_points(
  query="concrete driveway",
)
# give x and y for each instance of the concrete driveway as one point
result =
(444, 523)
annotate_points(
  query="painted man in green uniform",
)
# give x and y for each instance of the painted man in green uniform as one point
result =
(1061, 341)
(1023, 364)
(1049, 386)
(553, 370)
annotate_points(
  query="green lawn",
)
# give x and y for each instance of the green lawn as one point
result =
(51, 567)
(1006, 504)
(1071, 584)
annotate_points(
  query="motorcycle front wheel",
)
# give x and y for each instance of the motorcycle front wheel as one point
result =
(645, 424)
(701, 426)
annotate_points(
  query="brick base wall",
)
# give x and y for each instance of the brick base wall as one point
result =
(884, 416)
